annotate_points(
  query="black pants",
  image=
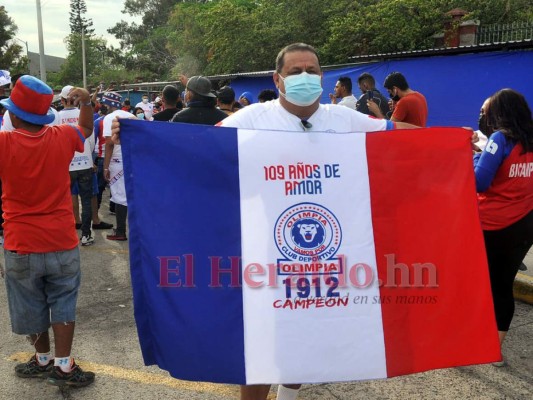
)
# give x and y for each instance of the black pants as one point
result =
(122, 215)
(506, 248)
(84, 178)
(101, 180)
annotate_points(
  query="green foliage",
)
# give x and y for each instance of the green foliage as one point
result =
(214, 37)
(71, 72)
(229, 36)
(496, 11)
(384, 27)
(103, 63)
(145, 45)
(11, 58)
(78, 22)
(187, 39)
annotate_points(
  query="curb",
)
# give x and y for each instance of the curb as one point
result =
(523, 288)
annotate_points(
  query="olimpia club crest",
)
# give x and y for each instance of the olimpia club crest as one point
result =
(308, 236)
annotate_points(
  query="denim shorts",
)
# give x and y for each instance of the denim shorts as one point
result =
(42, 289)
(75, 189)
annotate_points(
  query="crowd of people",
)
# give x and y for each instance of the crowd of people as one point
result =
(503, 169)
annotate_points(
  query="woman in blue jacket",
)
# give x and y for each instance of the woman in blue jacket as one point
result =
(504, 180)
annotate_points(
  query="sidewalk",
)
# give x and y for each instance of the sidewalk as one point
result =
(523, 286)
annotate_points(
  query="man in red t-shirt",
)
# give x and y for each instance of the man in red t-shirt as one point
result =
(408, 105)
(42, 271)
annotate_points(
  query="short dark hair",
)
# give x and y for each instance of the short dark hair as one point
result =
(15, 78)
(226, 95)
(366, 77)
(280, 59)
(2, 98)
(267, 95)
(171, 94)
(396, 79)
(346, 82)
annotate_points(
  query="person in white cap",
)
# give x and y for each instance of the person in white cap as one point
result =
(80, 169)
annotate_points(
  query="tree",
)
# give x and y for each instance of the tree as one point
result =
(71, 72)
(145, 45)
(78, 23)
(380, 26)
(72, 69)
(229, 36)
(215, 37)
(187, 39)
(497, 11)
(11, 58)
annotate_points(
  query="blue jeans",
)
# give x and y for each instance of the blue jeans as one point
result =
(42, 289)
(84, 179)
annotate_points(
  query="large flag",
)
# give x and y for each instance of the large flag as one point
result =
(301, 257)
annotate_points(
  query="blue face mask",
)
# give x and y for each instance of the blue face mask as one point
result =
(140, 115)
(302, 89)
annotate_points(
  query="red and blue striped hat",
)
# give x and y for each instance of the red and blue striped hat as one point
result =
(30, 101)
(112, 99)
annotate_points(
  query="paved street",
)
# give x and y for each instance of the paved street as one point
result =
(106, 342)
(529, 263)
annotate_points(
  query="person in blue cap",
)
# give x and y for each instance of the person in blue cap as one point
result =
(246, 99)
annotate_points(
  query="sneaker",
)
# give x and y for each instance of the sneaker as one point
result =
(117, 236)
(87, 240)
(32, 369)
(75, 378)
(102, 225)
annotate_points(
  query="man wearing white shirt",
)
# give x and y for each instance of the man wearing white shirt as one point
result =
(147, 107)
(298, 78)
(81, 169)
(113, 166)
(343, 91)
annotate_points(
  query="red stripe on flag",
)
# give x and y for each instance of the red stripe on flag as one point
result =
(425, 218)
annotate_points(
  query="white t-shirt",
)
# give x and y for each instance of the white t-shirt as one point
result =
(148, 109)
(328, 118)
(348, 101)
(81, 161)
(108, 119)
(8, 126)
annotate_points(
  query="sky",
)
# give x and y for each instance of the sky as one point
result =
(55, 16)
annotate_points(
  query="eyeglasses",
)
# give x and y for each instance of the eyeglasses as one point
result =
(306, 125)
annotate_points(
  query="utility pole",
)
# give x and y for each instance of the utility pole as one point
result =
(41, 41)
(26, 43)
(83, 57)
(27, 53)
